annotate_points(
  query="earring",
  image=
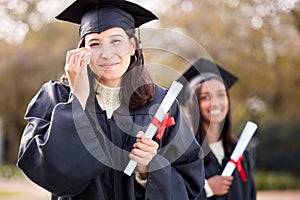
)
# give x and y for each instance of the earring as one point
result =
(133, 58)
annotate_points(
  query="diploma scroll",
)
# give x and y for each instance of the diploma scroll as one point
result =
(159, 115)
(238, 151)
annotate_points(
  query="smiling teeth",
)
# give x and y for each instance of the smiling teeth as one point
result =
(215, 112)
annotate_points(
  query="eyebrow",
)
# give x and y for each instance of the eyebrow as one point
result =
(92, 40)
(218, 91)
(204, 92)
(111, 36)
(118, 34)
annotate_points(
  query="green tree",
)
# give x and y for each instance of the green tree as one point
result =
(24, 68)
(257, 40)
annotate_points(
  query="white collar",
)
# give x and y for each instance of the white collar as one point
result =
(108, 98)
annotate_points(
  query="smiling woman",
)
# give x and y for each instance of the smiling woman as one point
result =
(207, 101)
(83, 130)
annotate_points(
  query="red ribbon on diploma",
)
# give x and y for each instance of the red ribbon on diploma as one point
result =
(161, 126)
(239, 167)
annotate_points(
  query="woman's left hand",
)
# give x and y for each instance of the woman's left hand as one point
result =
(144, 149)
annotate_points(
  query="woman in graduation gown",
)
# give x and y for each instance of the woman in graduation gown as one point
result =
(83, 130)
(208, 106)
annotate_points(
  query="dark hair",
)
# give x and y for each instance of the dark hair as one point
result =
(194, 114)
(137, 87)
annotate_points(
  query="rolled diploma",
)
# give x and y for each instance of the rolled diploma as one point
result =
(160, 114)
(243, 141)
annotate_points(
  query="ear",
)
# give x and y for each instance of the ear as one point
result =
(132, 46)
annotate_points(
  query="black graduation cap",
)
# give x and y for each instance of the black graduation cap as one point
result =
(100, 15)
(202, 70)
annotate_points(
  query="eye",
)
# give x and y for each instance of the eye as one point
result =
(222, 94)
(94, 44)
(115, 41)
(204, 97)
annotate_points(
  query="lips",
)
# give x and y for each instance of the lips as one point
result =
(109, 65)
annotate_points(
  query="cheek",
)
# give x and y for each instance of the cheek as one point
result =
(204, 105)
(93, 66)
(126, 61)
(226, 105)
(123, 49)
(92, 60)
(95, 54)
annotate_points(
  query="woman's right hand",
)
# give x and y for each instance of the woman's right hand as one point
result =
(220, 185)
(76, 71)
(143, 152)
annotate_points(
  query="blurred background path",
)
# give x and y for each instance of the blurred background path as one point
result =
(24, 189)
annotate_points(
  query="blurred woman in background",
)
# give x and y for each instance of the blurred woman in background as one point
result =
(208, 107)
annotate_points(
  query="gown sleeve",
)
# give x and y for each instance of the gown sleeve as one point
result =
(177, 171)
(252, 186)
(51, 151)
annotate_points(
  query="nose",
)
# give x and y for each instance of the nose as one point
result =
(107, 51)
(102, 51)
(215, 101)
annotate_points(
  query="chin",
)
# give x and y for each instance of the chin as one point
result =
(217, 119)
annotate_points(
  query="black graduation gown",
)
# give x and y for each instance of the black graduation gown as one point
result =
(239, 190)
(77, 154)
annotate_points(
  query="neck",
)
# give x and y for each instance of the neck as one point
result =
(212, 131)
(110, 83)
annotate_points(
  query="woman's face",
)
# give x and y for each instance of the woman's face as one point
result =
(214, 104)
(110, 54)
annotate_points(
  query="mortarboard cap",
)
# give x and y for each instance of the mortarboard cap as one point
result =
(95, 16)
(200, 71)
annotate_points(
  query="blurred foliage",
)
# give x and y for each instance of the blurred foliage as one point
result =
(19, 17)
(10, 171)
(266, 180)
(279, 145)
(24, 68)
(6, 194)
(262, 48)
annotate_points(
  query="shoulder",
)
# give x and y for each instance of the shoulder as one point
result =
(151, 106)
(50, 94)
(55, 90)
(160, 93)
(56, 85)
